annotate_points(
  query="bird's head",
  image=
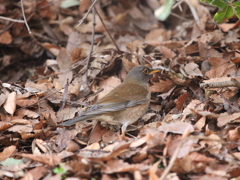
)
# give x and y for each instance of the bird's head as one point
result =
(140, 74)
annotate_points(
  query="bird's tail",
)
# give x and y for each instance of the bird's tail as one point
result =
(74, 121)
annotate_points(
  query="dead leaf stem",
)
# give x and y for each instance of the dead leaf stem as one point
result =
(107, 30)
(24, 17)
(232, 83)
(92, 41)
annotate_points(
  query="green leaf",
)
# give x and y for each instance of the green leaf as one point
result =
(10, 162)
(69, 3)
(236, 4)
(221, 4)
(237, 10)
(226, 13)
(163, 12)
(60, 169)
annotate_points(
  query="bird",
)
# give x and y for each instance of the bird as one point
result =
(125, 104)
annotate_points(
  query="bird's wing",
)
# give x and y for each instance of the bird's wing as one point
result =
(120, 98)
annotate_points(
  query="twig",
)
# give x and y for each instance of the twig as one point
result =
(193, 10)
(92, 42)
(24, 17)
(107, 30)
(178, 4)
(13, 20)
(180, 17)
(85, 16)
(65, 95)
(232, 83)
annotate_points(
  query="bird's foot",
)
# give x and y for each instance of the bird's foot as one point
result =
(123, 137)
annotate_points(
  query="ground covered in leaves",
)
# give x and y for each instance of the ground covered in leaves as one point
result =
(192, 127)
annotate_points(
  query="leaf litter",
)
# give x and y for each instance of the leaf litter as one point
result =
(191, 129)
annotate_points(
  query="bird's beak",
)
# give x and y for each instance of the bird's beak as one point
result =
(154, 71)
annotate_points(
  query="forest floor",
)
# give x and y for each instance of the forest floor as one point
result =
(192, 127)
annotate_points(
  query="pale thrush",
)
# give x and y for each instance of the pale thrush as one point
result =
(125, 104)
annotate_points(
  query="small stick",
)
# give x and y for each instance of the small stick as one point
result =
(65, 95)
(92, 43)
(85, 16)
(13, 20)
(232, 83)
(107, 30)
(24, 17)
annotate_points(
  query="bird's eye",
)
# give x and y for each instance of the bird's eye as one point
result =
(146, 71)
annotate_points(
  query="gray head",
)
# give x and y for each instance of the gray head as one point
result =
(140, 74)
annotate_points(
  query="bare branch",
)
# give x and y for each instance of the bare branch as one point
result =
(24, 17)
(13, 20)
(85, 16)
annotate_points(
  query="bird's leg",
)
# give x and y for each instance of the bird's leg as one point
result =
(124, 128)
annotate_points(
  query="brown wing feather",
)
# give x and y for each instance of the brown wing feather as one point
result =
(122, 94)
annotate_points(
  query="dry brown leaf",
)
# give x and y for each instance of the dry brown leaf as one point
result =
(127, 65)
(5, 38)
(35, 173)
(234, 136)
(192, 69)
(27, 135)
(3, 98)
(66, 113)
(196, 105)
(50, 117)
(152, 171)
(139, 142)
(185, 148)
(110, 136)
(45, 9)
(20, 121)
(85, 4)
(7, 152)
(178, 127)
(191, 49)
(180, 100)
(10, 104)
(118, 166)
(4, 125)
(27, 113)
(119, 148)
(162, 86)
(227, 26)
(157, 35)
(213, 145)
(193, 162)
(200, 123)
(96, 133)
(21, 128)
(168, 53)
(225, 118)
(49, 160)
(26, 102)
(221, 68)
(64, 137)
(39, 146)
(35, 88)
